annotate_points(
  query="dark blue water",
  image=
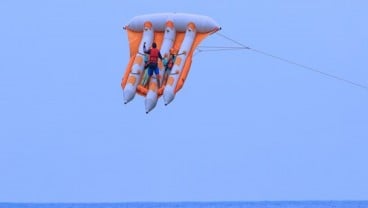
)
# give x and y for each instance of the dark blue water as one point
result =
(262, 204)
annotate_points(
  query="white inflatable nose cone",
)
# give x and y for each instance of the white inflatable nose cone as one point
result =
(168, 97)
(129, 93)
(150, 104)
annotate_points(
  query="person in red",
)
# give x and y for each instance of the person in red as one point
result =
(154, 55)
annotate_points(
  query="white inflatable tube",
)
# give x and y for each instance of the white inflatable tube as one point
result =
(138, 67)
(203, 23)
(169, 91)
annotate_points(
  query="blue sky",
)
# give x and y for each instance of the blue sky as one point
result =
(244, 127)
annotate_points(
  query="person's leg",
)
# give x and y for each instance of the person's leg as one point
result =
(150, 73)
(145, 77)
(166, 74)
(157, 71)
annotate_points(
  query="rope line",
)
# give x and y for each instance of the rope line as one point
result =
(245, 47)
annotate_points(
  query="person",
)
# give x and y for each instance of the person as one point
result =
(169, 63)
(154, 55)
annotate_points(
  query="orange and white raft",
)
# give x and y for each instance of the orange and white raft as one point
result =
(178, 32)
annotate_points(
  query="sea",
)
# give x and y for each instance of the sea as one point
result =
(251, 204)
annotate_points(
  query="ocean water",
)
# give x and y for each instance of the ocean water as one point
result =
(260, 204)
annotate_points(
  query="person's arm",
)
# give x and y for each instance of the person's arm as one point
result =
(159, 55)
(182, 53)
(144, 48)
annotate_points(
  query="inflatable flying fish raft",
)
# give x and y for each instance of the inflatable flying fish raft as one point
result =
(170, 31)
